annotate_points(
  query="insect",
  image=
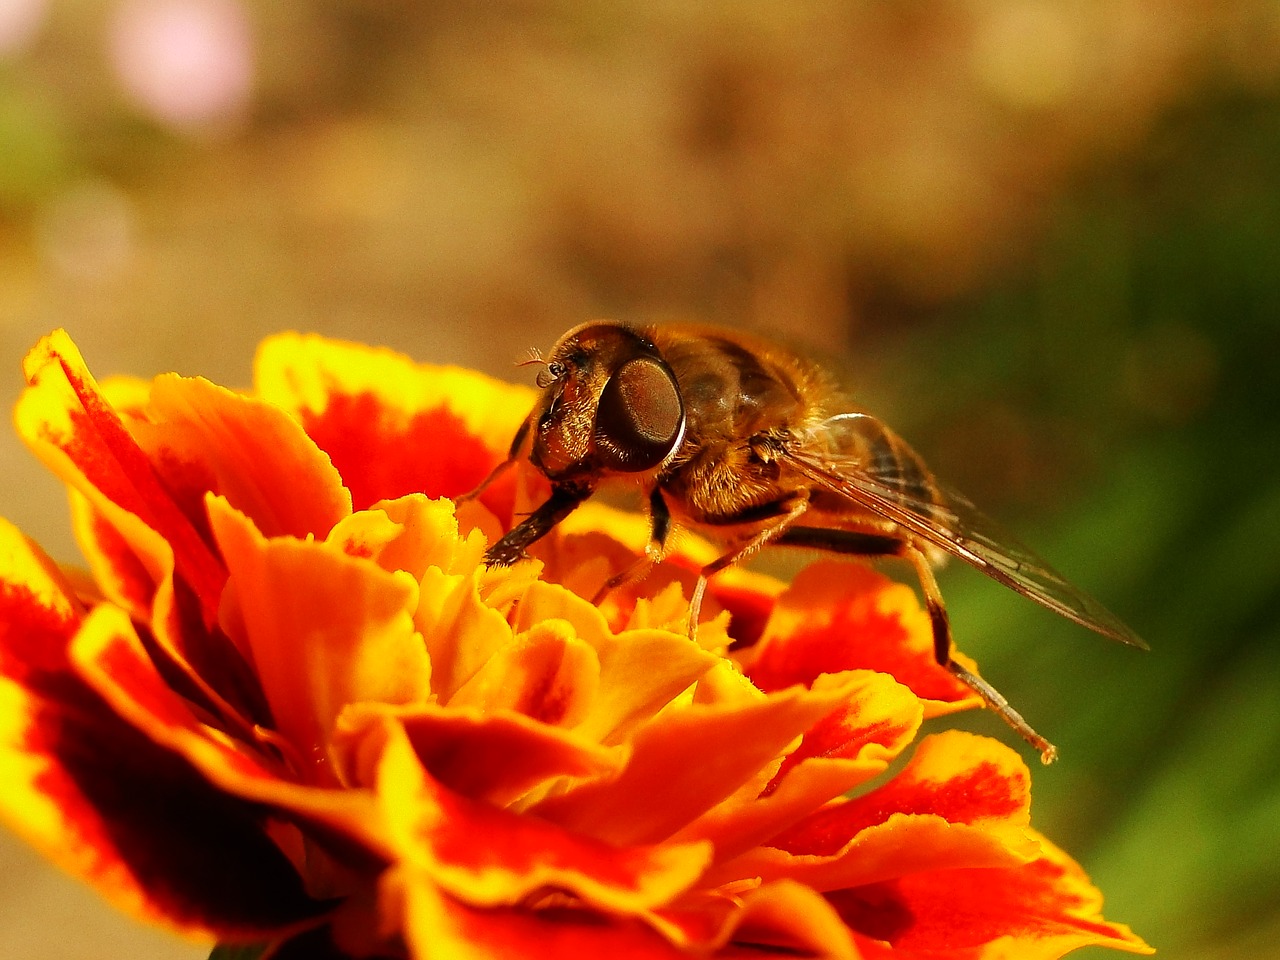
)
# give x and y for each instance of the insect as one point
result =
(737, 438)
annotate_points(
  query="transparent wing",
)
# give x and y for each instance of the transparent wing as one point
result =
(954, 525)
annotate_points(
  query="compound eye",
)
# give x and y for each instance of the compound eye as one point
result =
(640, 418)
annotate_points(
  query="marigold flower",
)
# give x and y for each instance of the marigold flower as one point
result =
(291, 706)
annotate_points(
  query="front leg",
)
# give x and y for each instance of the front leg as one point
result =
(564, 499)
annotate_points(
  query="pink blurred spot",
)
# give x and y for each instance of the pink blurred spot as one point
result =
(188, 63)
(19, 21)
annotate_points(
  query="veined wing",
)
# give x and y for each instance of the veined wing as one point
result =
(953, 524)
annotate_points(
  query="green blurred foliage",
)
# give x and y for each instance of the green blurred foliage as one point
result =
(1148, 321)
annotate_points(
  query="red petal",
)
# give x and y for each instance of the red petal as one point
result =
(111, 659)
(117, 569)
(957, 776)
(1038, 911)
(844, 616)
(778, 920)
(903, 828)
(391, 426)
(435, 925)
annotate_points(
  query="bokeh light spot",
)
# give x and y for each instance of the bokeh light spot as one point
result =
(20, 20)
(187, 63)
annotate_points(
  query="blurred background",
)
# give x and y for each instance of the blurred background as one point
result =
(1040, 237)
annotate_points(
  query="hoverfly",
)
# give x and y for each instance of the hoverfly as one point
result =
(738, 438)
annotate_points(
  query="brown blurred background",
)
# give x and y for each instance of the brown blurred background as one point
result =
(1041, 237)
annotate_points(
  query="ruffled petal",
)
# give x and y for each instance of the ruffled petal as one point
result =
(492, 756)
(67, 422)
(641, 671)
(597, 541)
(782, 918)
(777, 920)
(204, 438)
(489, 857)
(691, 757)
(437, 927)
(962, 801)
(392, 426)
(1037, 911)
(322, 630)
(461, 629)
(845, 616)
(413, 534)
(846, 748)
(546, 673)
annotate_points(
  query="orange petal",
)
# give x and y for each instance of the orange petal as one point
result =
(546, 674)
(845, 616)
(689, 758)
(437, 927)
(779, 920)
(491, 756)
(841, 751)
(489, 857)
(460, 629)
(640, 670)
(203, 438)
(962, 801)
(421, 537)
(67, 422)
(597, 541)
(783, 918)
(104, 802)
(323, 630)
(411, 534)
(1038, 911)
(391, 426)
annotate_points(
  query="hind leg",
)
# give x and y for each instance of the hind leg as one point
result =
(878, 545)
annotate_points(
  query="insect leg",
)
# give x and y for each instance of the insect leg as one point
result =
(654, 550)
(860, 544)
(563, 501)
(790, 510)
(994, 700)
